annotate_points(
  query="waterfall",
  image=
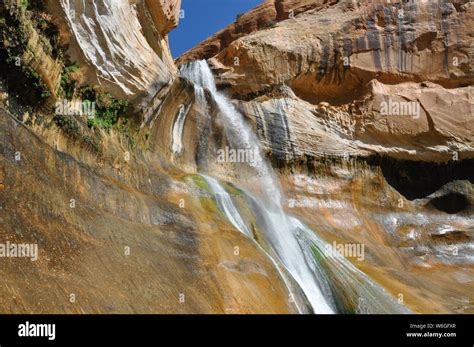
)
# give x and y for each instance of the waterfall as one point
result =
(291, 243)
(279, 233)
(238, 132)
(226, 205)
(200, 98)
(344, 287)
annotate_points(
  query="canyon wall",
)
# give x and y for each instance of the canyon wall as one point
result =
(259, 18)
(326, 72)
(123, 45)
(366, 108)
(116, 231)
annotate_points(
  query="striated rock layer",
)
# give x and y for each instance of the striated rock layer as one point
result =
(329, 92)
(328, 78)
(324, 53)
(114, 234)
(366, 109)
(124, 42)
(440, 129)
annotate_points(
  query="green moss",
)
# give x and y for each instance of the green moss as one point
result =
(108, 109)
(67, 84)
(24, 4)
(209, 204)
(205, 200)
(232, 189)
(73, 130)
(198, 181)
(68, 125)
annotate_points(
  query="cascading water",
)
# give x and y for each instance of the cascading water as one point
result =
(278, 234)
(356, 290)
(237, 130)
(227, 206)
(291, 243)
(348, 289)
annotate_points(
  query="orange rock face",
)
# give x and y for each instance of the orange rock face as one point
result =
(262, 16)
(366, 109)
(352, 71)
(331, 53)
(165, 14)
(331, 85)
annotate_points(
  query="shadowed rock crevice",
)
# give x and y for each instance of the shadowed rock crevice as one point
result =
(415, 179)
(451, 203)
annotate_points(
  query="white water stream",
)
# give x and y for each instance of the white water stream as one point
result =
(292, 244)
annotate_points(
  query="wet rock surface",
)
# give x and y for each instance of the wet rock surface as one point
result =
(118, 240)
(373, 150)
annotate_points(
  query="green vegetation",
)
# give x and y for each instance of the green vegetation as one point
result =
(69, 125)
(232, 189)
(25, 82)
(208, 204)
(68, 85)
(107, 115)
(128, 130)
(72, 129)
(90, 143)
(24, 4)
(15, 29)
(198, 181)
(107, 108)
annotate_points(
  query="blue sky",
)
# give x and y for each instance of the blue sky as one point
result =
(202, 18)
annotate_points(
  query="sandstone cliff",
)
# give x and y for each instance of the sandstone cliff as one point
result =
(324, 52)
(318, 86)
(326, 72)
(122, 45)
(75, 200)
(352, 72)
(364, 107)
(261, 17)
